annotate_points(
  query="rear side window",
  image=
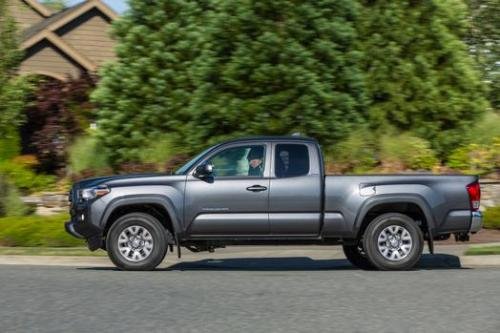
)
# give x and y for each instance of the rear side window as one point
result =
(291, 160)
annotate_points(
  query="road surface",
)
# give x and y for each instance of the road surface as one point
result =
(250, 294)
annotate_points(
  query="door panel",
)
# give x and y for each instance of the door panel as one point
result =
(226, 207)
(235, 202)
(295, 205)
(295, 195)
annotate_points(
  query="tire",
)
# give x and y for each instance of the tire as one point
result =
(137, 242)
(356, 256)
(393, 241)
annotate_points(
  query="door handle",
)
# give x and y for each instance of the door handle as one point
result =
(256, 188)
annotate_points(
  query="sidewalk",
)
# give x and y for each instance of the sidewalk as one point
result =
(447, 256)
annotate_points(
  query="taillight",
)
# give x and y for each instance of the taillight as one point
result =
(474, 191)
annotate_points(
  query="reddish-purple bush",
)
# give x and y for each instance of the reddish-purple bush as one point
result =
(58, 111)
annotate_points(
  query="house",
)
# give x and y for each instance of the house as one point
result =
(63, 44)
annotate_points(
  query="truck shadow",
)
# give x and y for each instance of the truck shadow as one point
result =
(433, 262)
(428, 262)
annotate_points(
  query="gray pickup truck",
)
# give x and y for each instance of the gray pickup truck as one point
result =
(271, 190)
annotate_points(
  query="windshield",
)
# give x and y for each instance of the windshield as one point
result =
(185, 168)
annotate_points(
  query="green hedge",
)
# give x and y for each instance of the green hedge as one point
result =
(492, 218)
(35, 230)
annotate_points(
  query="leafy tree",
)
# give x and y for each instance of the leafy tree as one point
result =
(484, 42)
(277, 67)
(144, 94)
(419, 74)
(12, 88)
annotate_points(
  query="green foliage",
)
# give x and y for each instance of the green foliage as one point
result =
(10, 201)
(492, 218)
(408, 151)
(9, 145)
(483, 250)
(12, 88)
(159, 151)
(144, 93)
(24, 178)
(34, 230)
(485, 130)
(14, 206)
(206, 73)
(277, 67)
(356, 154)
(419, 75)
(87, 154)
(484, 43)
(476, 158)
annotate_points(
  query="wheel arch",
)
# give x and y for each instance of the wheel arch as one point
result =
(410, 204)
(156, 205)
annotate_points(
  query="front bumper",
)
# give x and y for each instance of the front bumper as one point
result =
(87, 231)
(476, 222)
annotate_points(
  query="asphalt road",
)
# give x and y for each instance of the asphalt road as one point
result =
(294, 294)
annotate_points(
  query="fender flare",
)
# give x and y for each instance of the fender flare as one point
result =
(397, 198)
(156, 199)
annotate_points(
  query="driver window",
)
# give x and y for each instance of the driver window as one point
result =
(239, 161)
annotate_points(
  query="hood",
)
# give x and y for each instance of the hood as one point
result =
(91, 182)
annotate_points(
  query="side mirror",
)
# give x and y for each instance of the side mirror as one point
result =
(203, 171)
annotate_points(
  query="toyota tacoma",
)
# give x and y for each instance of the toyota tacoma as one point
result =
(271, 190)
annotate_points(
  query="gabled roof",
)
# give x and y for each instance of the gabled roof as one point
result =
(46, 29)
(56, 21)
(39, 8)
(36, 28)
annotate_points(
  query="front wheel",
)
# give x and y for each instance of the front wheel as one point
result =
(137, 242)
(393, 241)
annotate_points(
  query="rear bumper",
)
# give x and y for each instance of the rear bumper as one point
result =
(476, 222)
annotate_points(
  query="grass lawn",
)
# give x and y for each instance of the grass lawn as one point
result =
(51, 251)
(483, 250)
(36, 231)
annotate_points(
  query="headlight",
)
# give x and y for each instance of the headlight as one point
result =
(95, 192)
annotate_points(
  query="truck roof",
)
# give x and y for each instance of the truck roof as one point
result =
(272, 138)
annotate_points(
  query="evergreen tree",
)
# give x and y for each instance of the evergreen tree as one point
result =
(484, 42)
(12, 88)
(145, 92)
(419, 74)
(277, 67)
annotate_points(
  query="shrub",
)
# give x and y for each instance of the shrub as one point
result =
(492, 218)
(35, 230)
(355, 154)
(10, 200)
(54, 118)
(25, 179)
(485, 130)
(86, 154)
(407, 152)
(476, 158)
(160, 151)
(9, 146)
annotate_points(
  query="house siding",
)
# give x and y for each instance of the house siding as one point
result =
(89, 34)
(24, 15)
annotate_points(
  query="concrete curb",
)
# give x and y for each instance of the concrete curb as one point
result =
(252, 260)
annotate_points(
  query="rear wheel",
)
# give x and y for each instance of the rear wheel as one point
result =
(356, 256)
(137, 241)
(393, 241)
